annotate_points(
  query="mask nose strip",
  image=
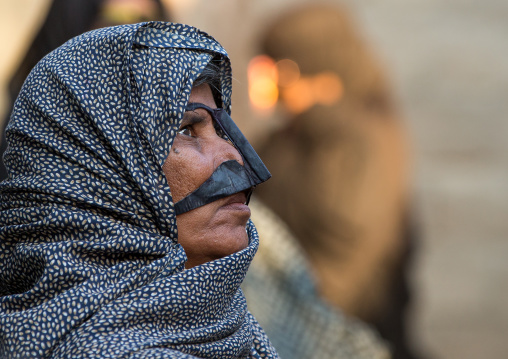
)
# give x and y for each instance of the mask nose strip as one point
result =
(227, 179)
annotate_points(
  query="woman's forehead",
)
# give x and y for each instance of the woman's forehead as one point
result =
(202, 94)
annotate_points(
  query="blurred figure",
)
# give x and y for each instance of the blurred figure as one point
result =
(334, 220)
(69, 18)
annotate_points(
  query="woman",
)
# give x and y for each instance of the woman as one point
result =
(110, 141)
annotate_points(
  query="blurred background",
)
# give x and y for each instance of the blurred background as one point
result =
(446, 63)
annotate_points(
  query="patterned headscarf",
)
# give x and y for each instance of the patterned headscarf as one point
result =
(90, 266)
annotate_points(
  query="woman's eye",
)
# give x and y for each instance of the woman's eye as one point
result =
(185, 131)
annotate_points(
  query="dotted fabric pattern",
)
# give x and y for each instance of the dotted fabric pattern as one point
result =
(90, 266)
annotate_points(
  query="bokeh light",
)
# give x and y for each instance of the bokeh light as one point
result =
(270, 81)
(299, 97)
(289, 72)
(327, 87)
(263, 76)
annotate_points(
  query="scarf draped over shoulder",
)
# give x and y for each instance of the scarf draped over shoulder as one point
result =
(90, 266)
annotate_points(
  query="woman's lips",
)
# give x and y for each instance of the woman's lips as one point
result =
(236, 202)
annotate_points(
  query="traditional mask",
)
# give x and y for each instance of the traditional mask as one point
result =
(229, 177)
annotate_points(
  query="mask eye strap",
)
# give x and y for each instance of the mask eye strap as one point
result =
(251, 159)
(216, 115)
(191, 106)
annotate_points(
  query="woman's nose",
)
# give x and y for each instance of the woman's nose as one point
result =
(224, 151)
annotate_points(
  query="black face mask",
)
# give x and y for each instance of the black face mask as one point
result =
(229, 177)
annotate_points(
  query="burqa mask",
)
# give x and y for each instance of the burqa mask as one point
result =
(229, 177)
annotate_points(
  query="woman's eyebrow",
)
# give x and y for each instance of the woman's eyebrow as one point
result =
(194, 117)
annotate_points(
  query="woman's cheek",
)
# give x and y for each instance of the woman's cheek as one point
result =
(185, 171)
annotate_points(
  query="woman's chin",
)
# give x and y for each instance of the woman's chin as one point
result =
(235, 241)
(218, 245)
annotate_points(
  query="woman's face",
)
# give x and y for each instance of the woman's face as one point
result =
(217, 229)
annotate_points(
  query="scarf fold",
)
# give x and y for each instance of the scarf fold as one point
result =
(90, 266)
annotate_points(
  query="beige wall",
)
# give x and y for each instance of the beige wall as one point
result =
(19, 20)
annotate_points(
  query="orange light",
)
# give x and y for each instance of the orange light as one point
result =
(289, 72)
(299, 97)
(262, 66)
(298, 93)
(263, 93)
(327, 88)
(262, 76)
